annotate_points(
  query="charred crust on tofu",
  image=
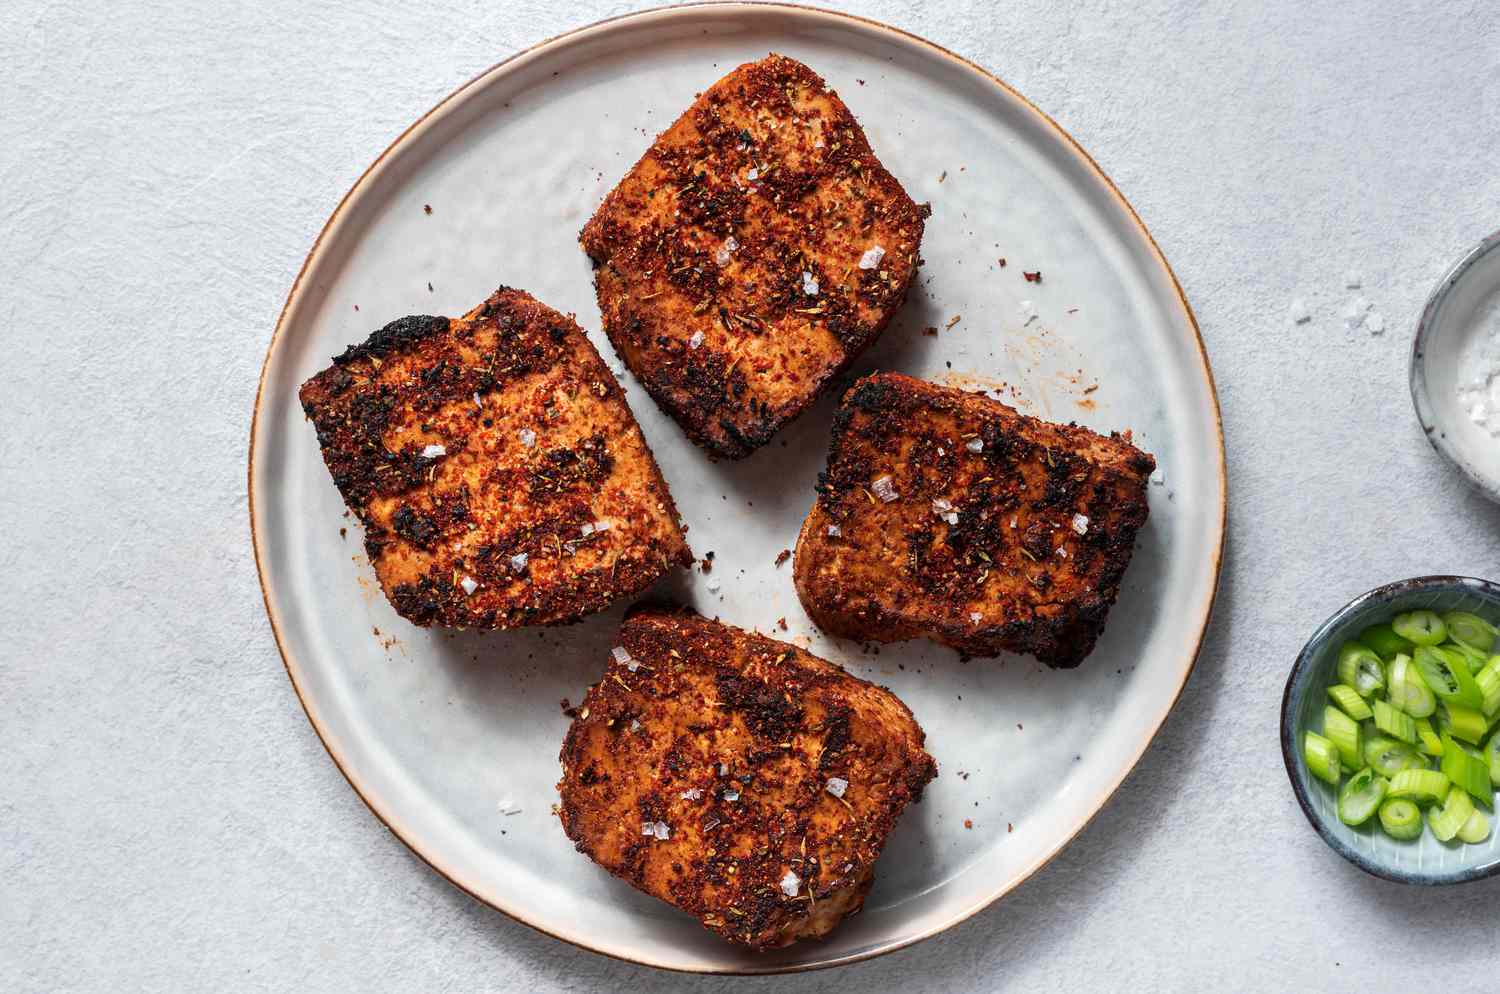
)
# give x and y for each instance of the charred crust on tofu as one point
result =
(1004, 543)
(727, 262)
(487, 449)
(728, 739)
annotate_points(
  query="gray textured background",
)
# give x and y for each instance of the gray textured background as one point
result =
(168, 820)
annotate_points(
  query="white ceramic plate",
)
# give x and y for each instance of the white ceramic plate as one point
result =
(435, 730)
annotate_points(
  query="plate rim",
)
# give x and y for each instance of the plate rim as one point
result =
(391, 821)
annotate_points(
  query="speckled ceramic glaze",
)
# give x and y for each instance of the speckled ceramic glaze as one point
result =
(1443, 333)
(440, 731)
(1424, 860)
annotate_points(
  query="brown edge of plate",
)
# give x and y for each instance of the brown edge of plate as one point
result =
(815, 13)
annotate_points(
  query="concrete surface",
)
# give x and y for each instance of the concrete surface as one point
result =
(168, 820)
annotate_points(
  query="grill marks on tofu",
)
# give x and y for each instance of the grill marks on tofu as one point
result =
(729, 259)
(500, 476)
(957, 519)
(698, 771)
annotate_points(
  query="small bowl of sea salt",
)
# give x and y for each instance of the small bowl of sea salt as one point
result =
(1455, 366)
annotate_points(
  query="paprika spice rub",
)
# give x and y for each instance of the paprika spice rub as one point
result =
(738, 778)
(947, 515)
(501, 478)
(751, 254)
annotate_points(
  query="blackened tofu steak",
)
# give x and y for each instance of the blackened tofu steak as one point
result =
(501, 478)
(947, 515)
(751, 254)
(740, 779)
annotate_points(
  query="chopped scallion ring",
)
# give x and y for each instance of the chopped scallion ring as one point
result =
(1462, 722)
(1393, 722)
(1492, 752)
(1322, 758)
(1384, 640)
(1420, 627)
(1448, 676)
(1408, 691)
(1343, 732)
(1470, 630)
(1422, 786)
(1447, 818)
(1467, 769)
(1401, 819)
(1349, 701)
(1427, 738)
(1476, 829)
(1360, 796)
(1361, 669)
(1389, 757)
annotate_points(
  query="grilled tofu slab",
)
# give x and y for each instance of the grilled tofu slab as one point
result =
(751, 254)
(501, 478)
(740, 779)
(950, 516)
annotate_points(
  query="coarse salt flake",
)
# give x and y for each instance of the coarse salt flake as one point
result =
(1081, 523)
(695, 339)
(621, 654)
(478, 401)
(725, 251)
(1157, 477)
(834, 531)
(753, 174)
(837, 786)
(713, 584)
(528, 437)
(660, 829)
(974, 445)
(974, 616)
(469, 585)
(635, 724)
(433, 451)
(732, 794)
(518, 561)
(872, 257)
(809, 285)
(691, 794)
(819, 144)
(1375, 323)
(790, 884)
(1028, 312)
(884, 488)
(1298, 311)
(1352, 279)
(508, 806)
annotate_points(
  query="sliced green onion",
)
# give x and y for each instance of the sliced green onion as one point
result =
(1323, 758)
(1427, 738)
(1422, 786)
(1361, 796)
(1492, 752)
(1488, 682)
(1400, 818)
(1471, 659)
(1343, 732)
(1390, 757)
(1391, 722)
(1408, 691)
(1348, 699)
(1421, 627)
(1471, 630)
(1476, 829)
(1461, 722)
(1467, 769)
(1384, 640)
(1361, 669)
(1447, 818)
(1448, 676)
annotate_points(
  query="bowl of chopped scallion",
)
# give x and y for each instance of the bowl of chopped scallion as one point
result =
(1390, 728)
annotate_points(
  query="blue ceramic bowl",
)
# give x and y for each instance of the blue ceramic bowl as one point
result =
(1424, 860)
